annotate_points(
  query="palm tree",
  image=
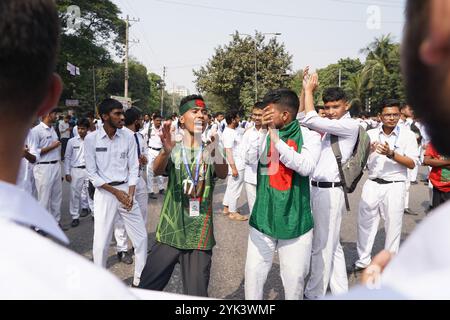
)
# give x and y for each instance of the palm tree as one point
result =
(378, 57)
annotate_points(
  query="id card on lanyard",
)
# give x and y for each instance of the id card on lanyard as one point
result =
(191, 184)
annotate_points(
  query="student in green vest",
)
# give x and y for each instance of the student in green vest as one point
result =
(281, 218)
(185, 231)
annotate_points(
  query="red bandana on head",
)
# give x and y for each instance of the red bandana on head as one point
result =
(200, 103)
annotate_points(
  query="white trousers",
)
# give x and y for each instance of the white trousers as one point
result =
(49, 187)
(85, 195)
(79, 177)
(379, 200)
(327, 259)
(294, 254)
(152, 154)
(107, 208)
(141, 198)
(250, 189)
(233, 191)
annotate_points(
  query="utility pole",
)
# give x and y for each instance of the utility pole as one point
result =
(173, 97)
(163, 83)
(127, 50)
(340, 76)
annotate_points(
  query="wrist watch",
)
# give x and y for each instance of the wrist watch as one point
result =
(391, 154)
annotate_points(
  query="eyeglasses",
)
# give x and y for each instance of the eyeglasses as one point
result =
(391, 115)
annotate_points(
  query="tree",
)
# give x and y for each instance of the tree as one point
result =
(101, 31)
(230, 73)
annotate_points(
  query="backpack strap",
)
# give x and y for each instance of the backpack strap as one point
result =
(338, 155)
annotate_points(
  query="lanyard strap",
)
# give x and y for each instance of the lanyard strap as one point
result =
(197, 165)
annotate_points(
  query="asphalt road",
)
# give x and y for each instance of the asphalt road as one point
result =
(227, 271)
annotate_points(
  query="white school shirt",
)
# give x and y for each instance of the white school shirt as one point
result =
(37, 267)
(154, 140)
(111, 160)
(143, 148)
(45, 136)
(305, 162)
(250, 149)
(346, 129)
(403, 142)
(25, 176)
(63, 126)
(232, 140)
(74, 156)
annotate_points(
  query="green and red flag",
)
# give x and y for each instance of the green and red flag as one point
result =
(282, 209)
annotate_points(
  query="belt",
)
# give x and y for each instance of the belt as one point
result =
(326, 185)
(156, 149)
(115, 183)
(50, 162)
(80, 167)
(381, 181)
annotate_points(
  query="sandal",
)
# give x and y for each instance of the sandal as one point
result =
(237, 216)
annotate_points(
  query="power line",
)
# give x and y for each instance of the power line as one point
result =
(267, 14)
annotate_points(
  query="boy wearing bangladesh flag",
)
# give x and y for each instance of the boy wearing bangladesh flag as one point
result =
(281, 218)
(185, 231)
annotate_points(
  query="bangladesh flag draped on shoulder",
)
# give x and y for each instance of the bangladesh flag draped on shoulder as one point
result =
(282, 209)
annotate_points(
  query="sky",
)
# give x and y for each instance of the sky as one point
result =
(183, 34)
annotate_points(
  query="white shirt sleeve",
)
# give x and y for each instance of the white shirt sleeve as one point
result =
(304, 163)
(133, 162)
(342, 128)
(228, 139)
(90, 159)
(412, 148)
(32, 143)
(68, 156)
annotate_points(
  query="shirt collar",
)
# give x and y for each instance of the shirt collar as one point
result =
(20, 207)
(103, 133)
(43, 125)
(394, 132)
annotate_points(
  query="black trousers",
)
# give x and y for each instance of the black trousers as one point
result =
(439, 197)
(195, 269)
(63, 147)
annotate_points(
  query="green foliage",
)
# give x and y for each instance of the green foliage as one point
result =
(230, 73)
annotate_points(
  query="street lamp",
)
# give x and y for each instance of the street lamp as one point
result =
(256, 55)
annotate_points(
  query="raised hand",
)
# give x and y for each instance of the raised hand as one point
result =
(306, 76)
(166, 137)
(267, 118)
(312, 83)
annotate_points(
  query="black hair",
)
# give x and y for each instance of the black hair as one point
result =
(231, 115)
(191, 97)
(259, 105)
(108, 105)
(30, 32)
(218, 114)
(89, 115)
(283, 98)
(131, 116)
(334, 94)
(156, 116)
(83, 122)
(390, 103)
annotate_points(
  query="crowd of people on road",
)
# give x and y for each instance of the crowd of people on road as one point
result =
(298, 162)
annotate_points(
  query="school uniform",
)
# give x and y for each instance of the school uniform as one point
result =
(328, 204)
(25, 178)
(383, 193)
(47, 171)
(115, 162)
(232, 140)
(250, 150)
(75, 166)
(141, 196)
(281, 219)
(154, 148)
